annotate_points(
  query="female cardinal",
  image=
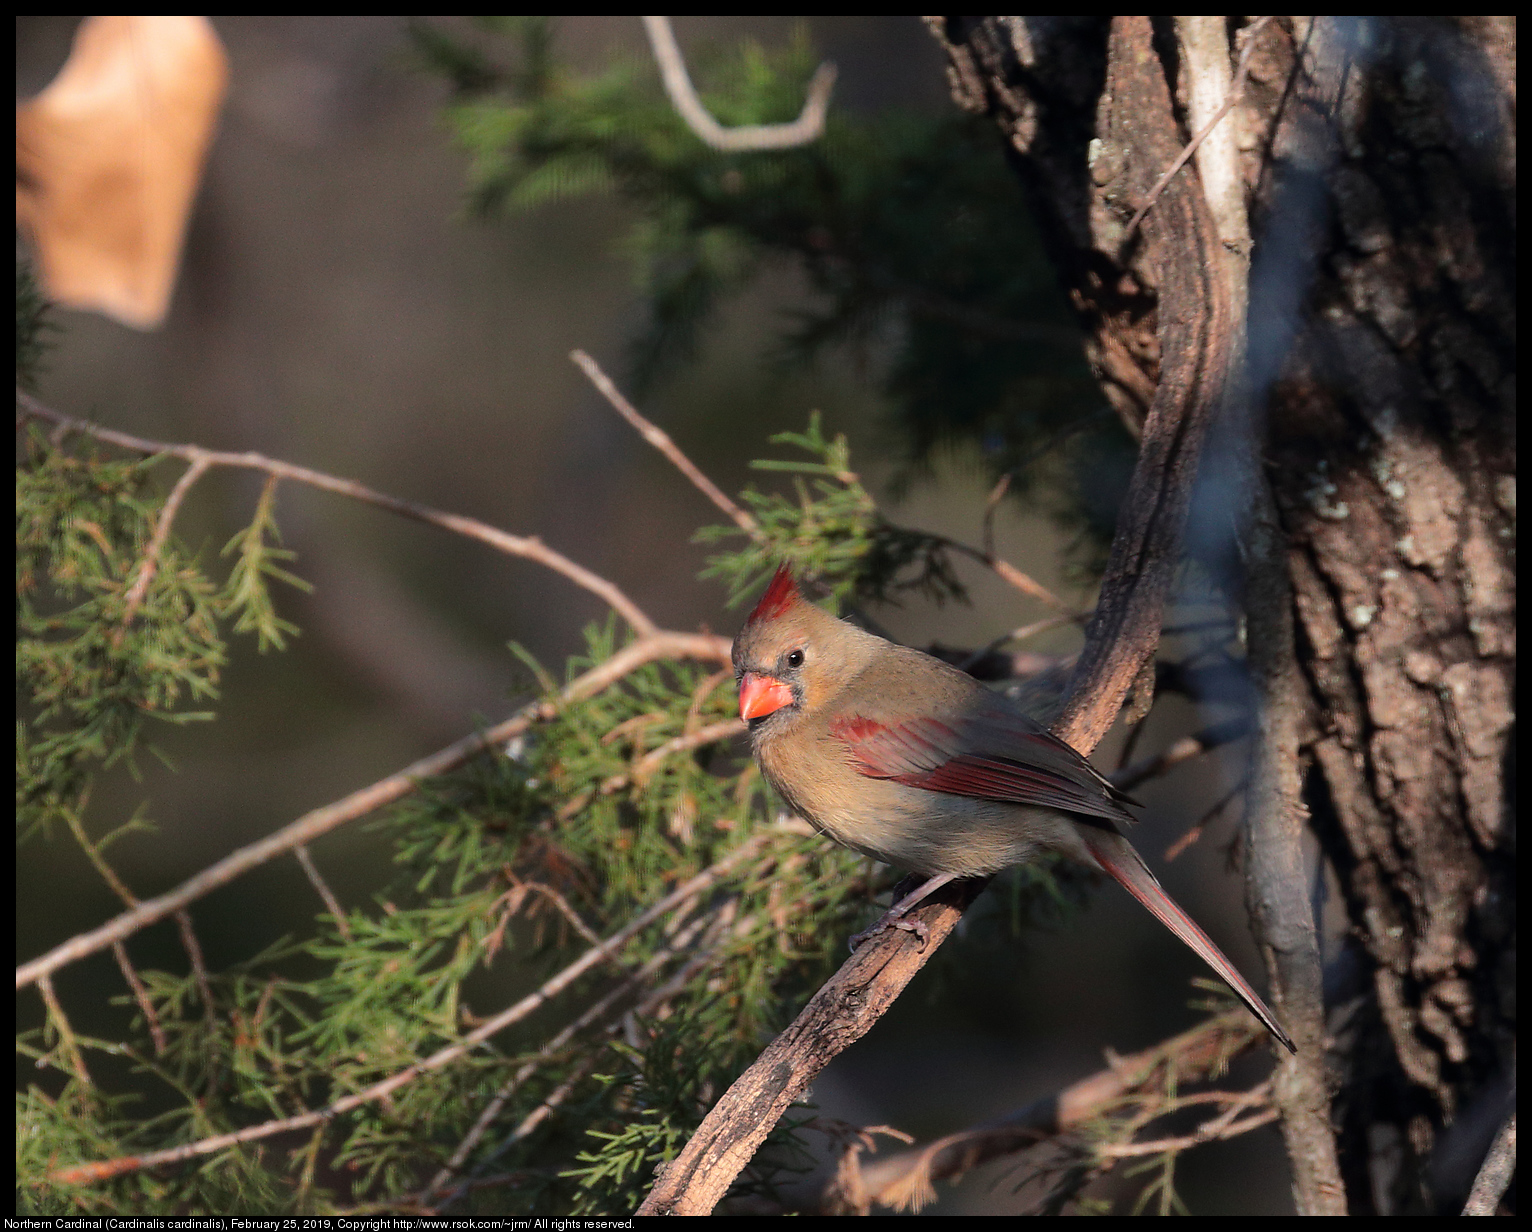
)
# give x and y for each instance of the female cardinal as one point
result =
(908, 760)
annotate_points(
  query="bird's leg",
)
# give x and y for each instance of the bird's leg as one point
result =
(894, 916)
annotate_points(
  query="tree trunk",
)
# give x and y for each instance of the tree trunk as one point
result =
(1376, 165)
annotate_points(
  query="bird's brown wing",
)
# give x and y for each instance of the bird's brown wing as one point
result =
(992, 755)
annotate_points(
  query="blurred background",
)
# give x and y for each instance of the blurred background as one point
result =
(337, 307)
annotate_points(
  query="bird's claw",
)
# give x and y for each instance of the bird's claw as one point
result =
(917, 927)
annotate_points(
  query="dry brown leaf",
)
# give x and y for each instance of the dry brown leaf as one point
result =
(108, 158)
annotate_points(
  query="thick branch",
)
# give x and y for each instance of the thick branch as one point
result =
(1194, 328)
(1276, 885)
(1121, 638)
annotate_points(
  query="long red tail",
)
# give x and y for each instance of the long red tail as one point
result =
(1117, 857)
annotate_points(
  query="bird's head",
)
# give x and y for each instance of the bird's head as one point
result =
(791, 657)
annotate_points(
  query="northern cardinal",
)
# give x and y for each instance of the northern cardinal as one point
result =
(909, 760)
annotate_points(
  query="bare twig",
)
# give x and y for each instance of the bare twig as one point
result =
(1226, 1124)
(528, 548)
(662, 645)
(141, 996)
(678, 85)
(552, 1047)
(1496, 1172)
(119, 951)
(1184, 749)
(1194, 832)
(992, 503)
(1234, 96)
(162, 526)
(199, 968)
(904, 1180)
(1013, 576)
(67, 1040)
(1215, 1130)
(560, 904)
(1015, 635)
(93, 853)
(311, 871)
(649, 762)
(661, 441)
(102, 1170)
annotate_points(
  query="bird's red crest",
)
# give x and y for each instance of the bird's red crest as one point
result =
(779, 596)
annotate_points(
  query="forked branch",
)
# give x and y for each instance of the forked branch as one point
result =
(527, 547)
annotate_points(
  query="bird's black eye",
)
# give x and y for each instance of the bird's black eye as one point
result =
(795, 658)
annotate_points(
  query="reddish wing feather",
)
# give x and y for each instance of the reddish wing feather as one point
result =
(921, 754)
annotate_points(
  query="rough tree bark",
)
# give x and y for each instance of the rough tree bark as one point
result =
(1376, 162)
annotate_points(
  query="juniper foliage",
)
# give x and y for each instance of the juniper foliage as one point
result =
(508, 868)
(909, 229)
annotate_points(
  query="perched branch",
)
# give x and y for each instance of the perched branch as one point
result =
(1194, 336)
(661, 441)
(678, 85)
(320, 821)
(512, 545)
(108, 1168)
(1195, 333)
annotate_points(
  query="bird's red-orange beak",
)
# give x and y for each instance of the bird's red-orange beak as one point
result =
(762, 695)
